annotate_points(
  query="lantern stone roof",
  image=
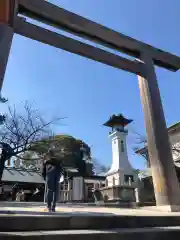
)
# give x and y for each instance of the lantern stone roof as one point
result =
(117, 120)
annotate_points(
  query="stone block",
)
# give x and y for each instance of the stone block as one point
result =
(118, 234)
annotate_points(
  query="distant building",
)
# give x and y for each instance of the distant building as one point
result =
(15, 179)
(72, 186)
(174, 137)
(146, 184)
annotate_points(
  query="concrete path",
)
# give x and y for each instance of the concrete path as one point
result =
(40, 208)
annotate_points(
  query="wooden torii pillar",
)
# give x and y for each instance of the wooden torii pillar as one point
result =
(7, 10)
(166, 186)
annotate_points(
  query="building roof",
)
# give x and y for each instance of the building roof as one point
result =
(21, 175)
(147, 172)
(171, 129)
(102, 174)
(71, 169)
(174, 128)
(11, 174)
(96, 177)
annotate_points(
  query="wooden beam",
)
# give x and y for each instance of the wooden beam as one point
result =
(6, 36)
(68, 44)
(4, 11)
(7, 11)
(51, 14)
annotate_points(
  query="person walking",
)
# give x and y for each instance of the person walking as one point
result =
(6, 153)
(51, 172)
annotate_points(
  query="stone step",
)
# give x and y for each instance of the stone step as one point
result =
(53, 222)
(164, 233)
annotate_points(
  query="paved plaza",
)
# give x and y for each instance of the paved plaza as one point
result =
(79, 209)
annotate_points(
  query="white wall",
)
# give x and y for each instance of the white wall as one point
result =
(119, 157)
(117, 179)
(78, 189)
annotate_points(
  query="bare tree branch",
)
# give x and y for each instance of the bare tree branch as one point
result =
(141, 148)
(21, 130)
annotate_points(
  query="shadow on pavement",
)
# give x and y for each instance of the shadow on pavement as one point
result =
(75, 213)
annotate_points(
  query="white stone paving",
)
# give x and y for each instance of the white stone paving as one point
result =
(109, 231)
(35, 208)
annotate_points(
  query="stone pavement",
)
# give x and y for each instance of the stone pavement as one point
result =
(82, 209)
(79, 221)
(148, 232)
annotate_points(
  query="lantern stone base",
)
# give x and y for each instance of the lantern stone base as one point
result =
(118, 194)
(166, 208)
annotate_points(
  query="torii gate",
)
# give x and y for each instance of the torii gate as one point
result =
(166, 185)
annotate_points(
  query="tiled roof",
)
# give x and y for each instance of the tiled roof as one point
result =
(21, 175)
(102, 174)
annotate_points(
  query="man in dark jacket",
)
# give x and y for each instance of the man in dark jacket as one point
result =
(7, 153)
(51, 172)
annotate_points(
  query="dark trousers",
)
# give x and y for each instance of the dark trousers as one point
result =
(52, 179)
(2, 164)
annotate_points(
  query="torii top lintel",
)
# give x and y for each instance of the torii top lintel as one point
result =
(51, 14)
(68, 21)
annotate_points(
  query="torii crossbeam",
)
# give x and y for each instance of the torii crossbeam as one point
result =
(13, 15)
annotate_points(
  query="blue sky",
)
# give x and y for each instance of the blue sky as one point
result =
(62, 84)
